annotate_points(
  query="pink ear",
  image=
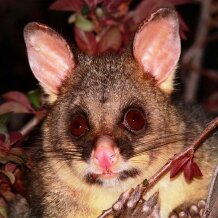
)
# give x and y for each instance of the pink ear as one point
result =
(156, 45)
(49, 56)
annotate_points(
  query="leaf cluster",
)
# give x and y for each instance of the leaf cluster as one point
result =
(13, 155)
(107, 25)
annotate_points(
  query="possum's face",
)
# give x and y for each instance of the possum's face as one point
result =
(109, 113)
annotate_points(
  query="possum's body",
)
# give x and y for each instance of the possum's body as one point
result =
(102, 93)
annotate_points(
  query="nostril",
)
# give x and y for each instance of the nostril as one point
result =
(113, 158)
(104, 158)
(105, 154)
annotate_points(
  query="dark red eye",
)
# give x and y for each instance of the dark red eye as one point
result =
(134, 120)
(79, 126)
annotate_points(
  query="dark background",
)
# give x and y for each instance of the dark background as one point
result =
(15, 73)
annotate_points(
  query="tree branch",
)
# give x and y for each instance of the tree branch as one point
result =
(194, 55)
(32, 123)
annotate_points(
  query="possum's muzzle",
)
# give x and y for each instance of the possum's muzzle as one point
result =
(112, 178)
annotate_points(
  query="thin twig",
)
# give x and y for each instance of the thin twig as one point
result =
(210, 74)
(161, 172)
(32, 123)
(195, 53)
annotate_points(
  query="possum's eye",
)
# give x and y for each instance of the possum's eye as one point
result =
(78, 126)
(134, 120)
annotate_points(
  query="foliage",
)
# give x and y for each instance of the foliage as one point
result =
(13, 156)
(188, 166)
(102, 25)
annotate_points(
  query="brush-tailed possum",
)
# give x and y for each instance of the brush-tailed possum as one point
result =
(112, 123)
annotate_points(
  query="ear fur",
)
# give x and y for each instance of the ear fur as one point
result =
(157, 48)
(50, 57)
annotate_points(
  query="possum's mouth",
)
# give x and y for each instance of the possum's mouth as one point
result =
(100, 179)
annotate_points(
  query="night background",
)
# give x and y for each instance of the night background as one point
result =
(15, 73)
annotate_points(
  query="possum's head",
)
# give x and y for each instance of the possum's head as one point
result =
(110, 117)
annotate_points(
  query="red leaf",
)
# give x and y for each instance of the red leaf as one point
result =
(3, 204)
(178, 166)
(13, 107)
(144, 10)
(111, 39)
(188, 170)
(86, 41)
(40, 114)
(113, 5)
(10, 167)
(146, 7)
(20, 187)
(4, 147)
(67, 5)
(18, 97)
(196, 170)
(14, 137)
(92, 3)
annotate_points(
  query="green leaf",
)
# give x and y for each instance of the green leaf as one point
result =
(3, 211)
(9, 175)
(3, 122)
(85, 9)
(3, 128)
(10, 158)
(4, 118)
(145, 182)
(34, 97)
(83, 23)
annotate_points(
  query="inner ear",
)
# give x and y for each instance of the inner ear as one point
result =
(50, 57)
(156, 46)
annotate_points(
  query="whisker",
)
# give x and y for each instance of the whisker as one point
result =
(154, 144)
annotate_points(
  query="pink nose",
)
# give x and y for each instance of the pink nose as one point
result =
(106, 153)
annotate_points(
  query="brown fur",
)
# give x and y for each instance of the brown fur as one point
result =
(104, 87)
